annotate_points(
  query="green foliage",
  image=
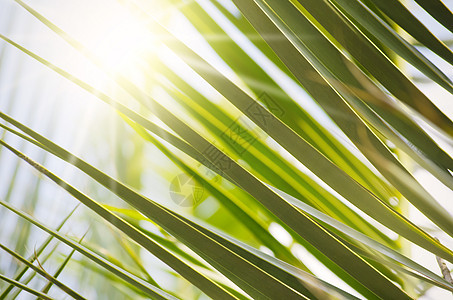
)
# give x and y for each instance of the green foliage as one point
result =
(286, 136)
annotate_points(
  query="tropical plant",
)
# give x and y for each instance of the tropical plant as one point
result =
(230, 149)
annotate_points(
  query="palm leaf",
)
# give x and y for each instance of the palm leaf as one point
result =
(296, 125)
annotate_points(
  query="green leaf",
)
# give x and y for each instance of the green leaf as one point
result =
(24, 287)
(364, 139)
(43, 273)
(60, 269)
(404, 18)
(205, 246)
(372, 244)
(361, 49)
(439, 11)
(268, 198)
(36, 254)
(126, 276)
(301, 224)
(380, 30)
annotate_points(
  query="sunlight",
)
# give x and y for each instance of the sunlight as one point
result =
(123, 45)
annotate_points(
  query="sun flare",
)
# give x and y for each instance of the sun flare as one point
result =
(123, 45)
